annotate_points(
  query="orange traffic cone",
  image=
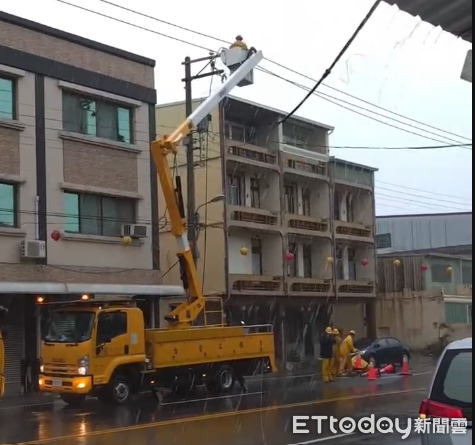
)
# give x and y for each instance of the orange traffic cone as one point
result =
(390, 369)
(405, 367)
(358, 364)
(373, 373)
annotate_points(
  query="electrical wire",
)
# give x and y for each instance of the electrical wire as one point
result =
(280, 65)
(338, 58)
(262, 69)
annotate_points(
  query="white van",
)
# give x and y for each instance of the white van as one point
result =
(450, 397)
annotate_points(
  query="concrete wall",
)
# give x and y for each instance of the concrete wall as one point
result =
(417, 318)
(348, 316)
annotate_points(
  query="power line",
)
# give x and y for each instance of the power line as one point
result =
(305, 88)
(338, 58)
(261, 69)
(280, 65)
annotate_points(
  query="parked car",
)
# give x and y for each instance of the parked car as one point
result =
(450, 396)
(384, 350)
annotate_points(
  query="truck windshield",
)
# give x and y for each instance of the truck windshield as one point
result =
(68, 327)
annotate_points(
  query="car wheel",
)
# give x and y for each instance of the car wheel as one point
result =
(120, 390)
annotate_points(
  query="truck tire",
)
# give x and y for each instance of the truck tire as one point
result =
(120, 390)
(223, 381)
(74, 400)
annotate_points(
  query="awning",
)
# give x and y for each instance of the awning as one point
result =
(7, 287)
(454, 16)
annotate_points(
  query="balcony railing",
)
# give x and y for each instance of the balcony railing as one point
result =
(359, 287)
(243, 216)
(309, 286)
(344, 228)
(255, 284)
(242, 152)
(306, 223)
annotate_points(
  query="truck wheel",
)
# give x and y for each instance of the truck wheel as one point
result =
(74, 400)
(223, 381)
(120, 390)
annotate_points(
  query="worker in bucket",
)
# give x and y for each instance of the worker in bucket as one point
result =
(326, 354)
(239, 43)
(336, 352)
(347, 348)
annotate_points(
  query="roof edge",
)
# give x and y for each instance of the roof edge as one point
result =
(73, 38)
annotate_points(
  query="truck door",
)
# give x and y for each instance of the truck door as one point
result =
(111, 342)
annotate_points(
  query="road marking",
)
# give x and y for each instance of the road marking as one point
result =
(324, 439)
(215, 416)
(211, 399)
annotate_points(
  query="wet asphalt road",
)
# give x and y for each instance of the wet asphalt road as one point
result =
(261, 417)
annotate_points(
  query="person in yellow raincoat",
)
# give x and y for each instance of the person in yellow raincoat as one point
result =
(326, 351)
(336, 352)
(346, 349)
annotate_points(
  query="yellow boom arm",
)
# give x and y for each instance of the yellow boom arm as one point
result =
(189, 311)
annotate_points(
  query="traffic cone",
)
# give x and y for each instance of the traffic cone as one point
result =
(373, 373)
(388, 370)
(358, 364)
(405, 367)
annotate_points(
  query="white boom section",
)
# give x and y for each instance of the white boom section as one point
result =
(215, 98)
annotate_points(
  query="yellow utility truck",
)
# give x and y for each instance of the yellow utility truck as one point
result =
(3, 312)
(100, 347)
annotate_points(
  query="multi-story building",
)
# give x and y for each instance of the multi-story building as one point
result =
(76, 120)
(294, 232)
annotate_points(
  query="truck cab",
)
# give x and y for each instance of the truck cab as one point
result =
(87, 347)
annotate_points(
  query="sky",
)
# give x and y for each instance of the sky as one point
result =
(397, 62)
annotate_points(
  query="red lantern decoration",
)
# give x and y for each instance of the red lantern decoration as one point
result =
(289, 256)
(365, 262)
(55, 235)
(423, 267)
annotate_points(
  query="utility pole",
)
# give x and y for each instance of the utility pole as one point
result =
(190, 167)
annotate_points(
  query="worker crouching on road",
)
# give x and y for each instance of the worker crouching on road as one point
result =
(346, 349)
(336, 352)
(326, 353)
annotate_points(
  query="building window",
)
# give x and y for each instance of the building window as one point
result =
(8, 205)
(290, 195)
(350, 211)
(306, 207)
(96, 117)
(340, 270)
(467, 272)
(383, 241)
(256, 256)
(255, 193)
(458, 313)
(241, 133)
(337, 206)
(297, 136)
(7, 98)
(235, 189)
(307, 261)
(440, 274)
(98, 215)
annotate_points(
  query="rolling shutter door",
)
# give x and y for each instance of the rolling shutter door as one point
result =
(14, 345)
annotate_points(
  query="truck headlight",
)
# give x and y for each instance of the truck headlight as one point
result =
(83, 365)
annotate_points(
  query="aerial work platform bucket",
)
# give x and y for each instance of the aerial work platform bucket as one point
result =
(235, 56)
